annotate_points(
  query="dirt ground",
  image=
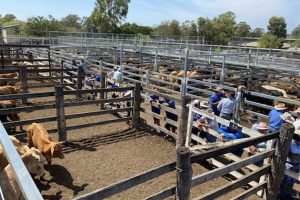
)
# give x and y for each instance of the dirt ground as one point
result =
(101, 155)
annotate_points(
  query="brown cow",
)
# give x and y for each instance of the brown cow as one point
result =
(6, 90)
(12, 116)
(39, 138)
(34, 165)
(9, 76)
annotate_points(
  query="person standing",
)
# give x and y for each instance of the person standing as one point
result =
(171, 116)
(275, 120)
(226, 105)
(155, 107)
(215, 99)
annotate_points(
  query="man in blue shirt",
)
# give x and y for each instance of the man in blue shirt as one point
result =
(275, 120)
(155, 108)
(196, 117)
(171, 116)
(231, 133)
(215, 99)
(226, 105)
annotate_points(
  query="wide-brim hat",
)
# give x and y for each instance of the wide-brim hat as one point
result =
(280, 106)
(262, 126)
(116, 68)
(287, 117)
(204, 104)
(218, 89)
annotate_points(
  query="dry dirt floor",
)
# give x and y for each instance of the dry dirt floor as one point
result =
(101, 155)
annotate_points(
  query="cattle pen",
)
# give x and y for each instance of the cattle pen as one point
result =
(145, 66)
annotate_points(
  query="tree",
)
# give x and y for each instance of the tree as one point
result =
(168, 28)
(107, 14)
(296, 31)
(133, 28)
(205, 29)
(223, 28)
(277, 27)
(72, 21)
(7, 18)
(257, 32)
(189, 28)
(39, 25)
(269, 40)
(242, 30)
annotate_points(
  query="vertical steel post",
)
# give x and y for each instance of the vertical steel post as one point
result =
(222, 76)
(184, 80)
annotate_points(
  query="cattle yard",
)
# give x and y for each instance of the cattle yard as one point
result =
(130, 152)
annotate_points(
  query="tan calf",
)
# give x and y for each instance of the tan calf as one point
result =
(39, 138)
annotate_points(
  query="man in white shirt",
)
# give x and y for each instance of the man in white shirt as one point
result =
(226, 105)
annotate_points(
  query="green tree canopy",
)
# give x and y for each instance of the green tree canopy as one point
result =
(189, 28)
(72, 21)
(242, 30)
(257, 32)
(7, 18)
(107, 14)
(269, 40)
(296, 31)
(133, 28)
(168, 28)
(38, 25)
(277, 26)
(224, 28)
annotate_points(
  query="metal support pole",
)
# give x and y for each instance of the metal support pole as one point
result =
(155, 60)
(60, 113)
(147, 82)
(103, 85)
(209, 57)
(184, 80)
(182, 130)
(222, 77)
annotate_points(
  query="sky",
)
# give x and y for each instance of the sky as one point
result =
(151, 12)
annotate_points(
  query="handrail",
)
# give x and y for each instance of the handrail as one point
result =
(24, 180)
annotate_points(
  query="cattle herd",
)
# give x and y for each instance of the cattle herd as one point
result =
(39, 152)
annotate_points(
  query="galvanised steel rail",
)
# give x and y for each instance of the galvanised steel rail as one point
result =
(24, 180)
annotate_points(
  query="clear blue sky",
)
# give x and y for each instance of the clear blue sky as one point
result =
(152, 12)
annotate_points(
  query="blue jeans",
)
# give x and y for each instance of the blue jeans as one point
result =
(210, 138)
(289, 181)
(272, 130)
(226, 116)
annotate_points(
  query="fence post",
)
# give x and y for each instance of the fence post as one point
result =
(103, 78)
(80, 74)
(182, 131)
(62, 72)
(278, 160)
(184, 79)
(23, 78)
(184, 173)
(60, 113)
(141, 55)
(49, 62)
(222, 76)
(136, 105)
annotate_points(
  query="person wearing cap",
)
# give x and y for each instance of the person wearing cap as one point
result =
(226, 105)
(204, 123)
(275, 120)
(215, 99)
(155, 107)
(231, 133)
(292, 164)
(258, 148)
(297, 121)
(171, 104)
